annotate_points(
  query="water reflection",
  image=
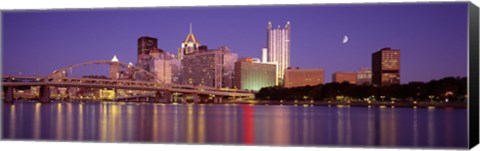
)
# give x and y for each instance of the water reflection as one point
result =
(37, 121)
(130, 123)
(415, 128)
(12, 121)
(80, 122)
(431, 127)
(59, 119)
(155, 130)
(306, 127)
(70, 119)
(176, 124)
(449, 128)
(234, 124)
(349, 128)
(164, 124)
(201, 124)
(190, 124)
(370, 128)
(340, 126)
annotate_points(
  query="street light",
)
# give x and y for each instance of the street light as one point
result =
(382, 97)
(431, 97)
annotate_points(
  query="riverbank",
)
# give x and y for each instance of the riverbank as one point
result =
(378, 104)
(391, 104)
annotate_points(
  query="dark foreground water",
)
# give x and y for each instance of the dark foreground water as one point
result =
(235, 124)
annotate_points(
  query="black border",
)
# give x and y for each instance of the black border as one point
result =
(473, 105)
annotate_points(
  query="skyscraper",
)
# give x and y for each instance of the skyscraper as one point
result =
(154, 60)
(176, 70)
(189, 45)
(145, 46)
(161, 65)
(386, 67)
(278, 48)
(211, 68)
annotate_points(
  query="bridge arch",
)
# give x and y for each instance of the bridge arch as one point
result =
(139, 70)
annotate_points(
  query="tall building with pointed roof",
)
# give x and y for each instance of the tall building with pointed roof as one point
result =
(114, 68)
(189, 45)
(278, 49)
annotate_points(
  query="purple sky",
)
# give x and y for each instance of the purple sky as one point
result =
(432, 38)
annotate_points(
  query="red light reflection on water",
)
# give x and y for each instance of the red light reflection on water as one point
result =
(248, 124)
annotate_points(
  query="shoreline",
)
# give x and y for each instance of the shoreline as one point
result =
(430, 105)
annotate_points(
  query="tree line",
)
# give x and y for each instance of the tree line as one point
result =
(449, 88)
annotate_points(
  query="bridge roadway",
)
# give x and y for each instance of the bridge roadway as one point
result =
(14, 81)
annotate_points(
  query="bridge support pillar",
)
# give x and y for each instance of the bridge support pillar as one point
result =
(196, 98)
(8, 94)
(44, 94)
(115, 92)
(165, 97)
(204, 98)
(218, 99)
(158, 96)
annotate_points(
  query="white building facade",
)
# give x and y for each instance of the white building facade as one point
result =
(278, 49)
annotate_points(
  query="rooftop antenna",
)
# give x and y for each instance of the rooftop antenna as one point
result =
(190, 27)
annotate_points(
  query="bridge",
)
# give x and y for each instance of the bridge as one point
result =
(159, 90)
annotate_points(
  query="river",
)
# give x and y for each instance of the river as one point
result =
(235, 124)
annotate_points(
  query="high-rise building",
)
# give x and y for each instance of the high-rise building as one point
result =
(189, 45)
(386, 67)
(228, 63)
(341, 76)
(364, 76)
(145, 46)
(212, 68)
(296, 77)
(251, 74)
(278, 48)
(152, 59)
(176, 70)
(161, 65)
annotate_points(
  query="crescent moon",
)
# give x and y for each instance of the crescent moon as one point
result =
(345, 39)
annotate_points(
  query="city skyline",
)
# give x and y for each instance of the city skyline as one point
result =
(71, 36)
(381, 75)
